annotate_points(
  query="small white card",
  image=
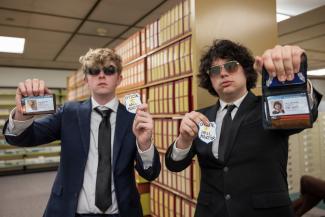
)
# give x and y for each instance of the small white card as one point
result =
(132, 101)
(207, 133)
(290, 104)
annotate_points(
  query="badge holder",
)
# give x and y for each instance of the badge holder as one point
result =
(286, 104)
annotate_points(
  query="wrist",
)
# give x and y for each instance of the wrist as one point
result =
(183, 143)
(19, 116)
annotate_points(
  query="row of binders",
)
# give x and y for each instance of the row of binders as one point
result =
(170, 98)
(183, 183)
(133, 75)
(175, 22)
(171, 61)
(169, 26)
(165, 203)
(165, 132)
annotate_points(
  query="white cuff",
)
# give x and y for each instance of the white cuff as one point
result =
(146, 156)
(15, 127)
(179, 154)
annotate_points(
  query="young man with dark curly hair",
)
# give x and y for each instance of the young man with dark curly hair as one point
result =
(243, 171)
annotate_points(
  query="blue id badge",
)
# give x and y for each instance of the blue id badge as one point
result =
(286, 104)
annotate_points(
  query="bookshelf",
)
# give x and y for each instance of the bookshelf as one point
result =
(21, 160)
(170, 49)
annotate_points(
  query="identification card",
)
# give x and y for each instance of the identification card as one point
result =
(288, 110)
(132, 101)
(34, 105)
(207, 133)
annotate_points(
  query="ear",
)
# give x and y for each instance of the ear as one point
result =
(119, 79)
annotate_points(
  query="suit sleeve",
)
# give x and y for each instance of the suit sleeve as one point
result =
(41, 131)
(177, 166)
(152, 172)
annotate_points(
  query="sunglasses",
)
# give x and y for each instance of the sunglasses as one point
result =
(109, 70)
(230, 67)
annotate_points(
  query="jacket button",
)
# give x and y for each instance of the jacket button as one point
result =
(225, 169)
(227, 197)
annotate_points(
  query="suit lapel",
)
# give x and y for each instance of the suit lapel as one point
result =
(122, 124)
(246, 106)
(84, 113)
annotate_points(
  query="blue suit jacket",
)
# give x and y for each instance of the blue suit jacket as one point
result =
(71, 125)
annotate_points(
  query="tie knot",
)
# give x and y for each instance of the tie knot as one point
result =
(230, 107)
(103, 113)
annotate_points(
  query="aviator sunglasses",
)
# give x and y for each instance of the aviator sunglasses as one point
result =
(230, 67)
(108, 70)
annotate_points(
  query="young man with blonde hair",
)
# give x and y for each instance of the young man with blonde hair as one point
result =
(100, 141)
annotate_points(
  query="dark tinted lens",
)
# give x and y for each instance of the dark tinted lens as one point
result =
(110, 70)
(93, 71)
(215, 70)
(231, 66)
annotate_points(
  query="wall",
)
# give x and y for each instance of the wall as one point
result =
(10, 77)
(319, 85)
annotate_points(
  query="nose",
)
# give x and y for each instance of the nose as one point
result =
(223, 72)
(101, 73)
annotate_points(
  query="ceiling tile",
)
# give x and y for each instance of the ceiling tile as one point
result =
(91, 28)
(13, 31)
(304, 34)
(38, 64)
(79, 45)
(27, 20)
(42, 45)
(73, 8)
(294, 7)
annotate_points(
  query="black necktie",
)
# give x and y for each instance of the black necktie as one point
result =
(103, 196)
(225, 132)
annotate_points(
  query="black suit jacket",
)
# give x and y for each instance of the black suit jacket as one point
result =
(252, 180)
(71, 125)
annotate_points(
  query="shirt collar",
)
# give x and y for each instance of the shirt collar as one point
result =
(237, 102)
(113, 104)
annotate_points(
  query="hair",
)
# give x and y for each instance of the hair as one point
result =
(100, 56)
(226, 49)
(277, 103)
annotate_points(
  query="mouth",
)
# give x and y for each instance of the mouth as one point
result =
(226, 83)
(102, 84)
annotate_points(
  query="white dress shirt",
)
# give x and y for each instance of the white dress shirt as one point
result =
(179, 154)
(86, 203)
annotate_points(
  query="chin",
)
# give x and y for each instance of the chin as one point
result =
(102, 92)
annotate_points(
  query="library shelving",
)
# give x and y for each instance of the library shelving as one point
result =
(160, 62)
(15, 160)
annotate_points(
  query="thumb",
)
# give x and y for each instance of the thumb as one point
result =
(47, 90)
